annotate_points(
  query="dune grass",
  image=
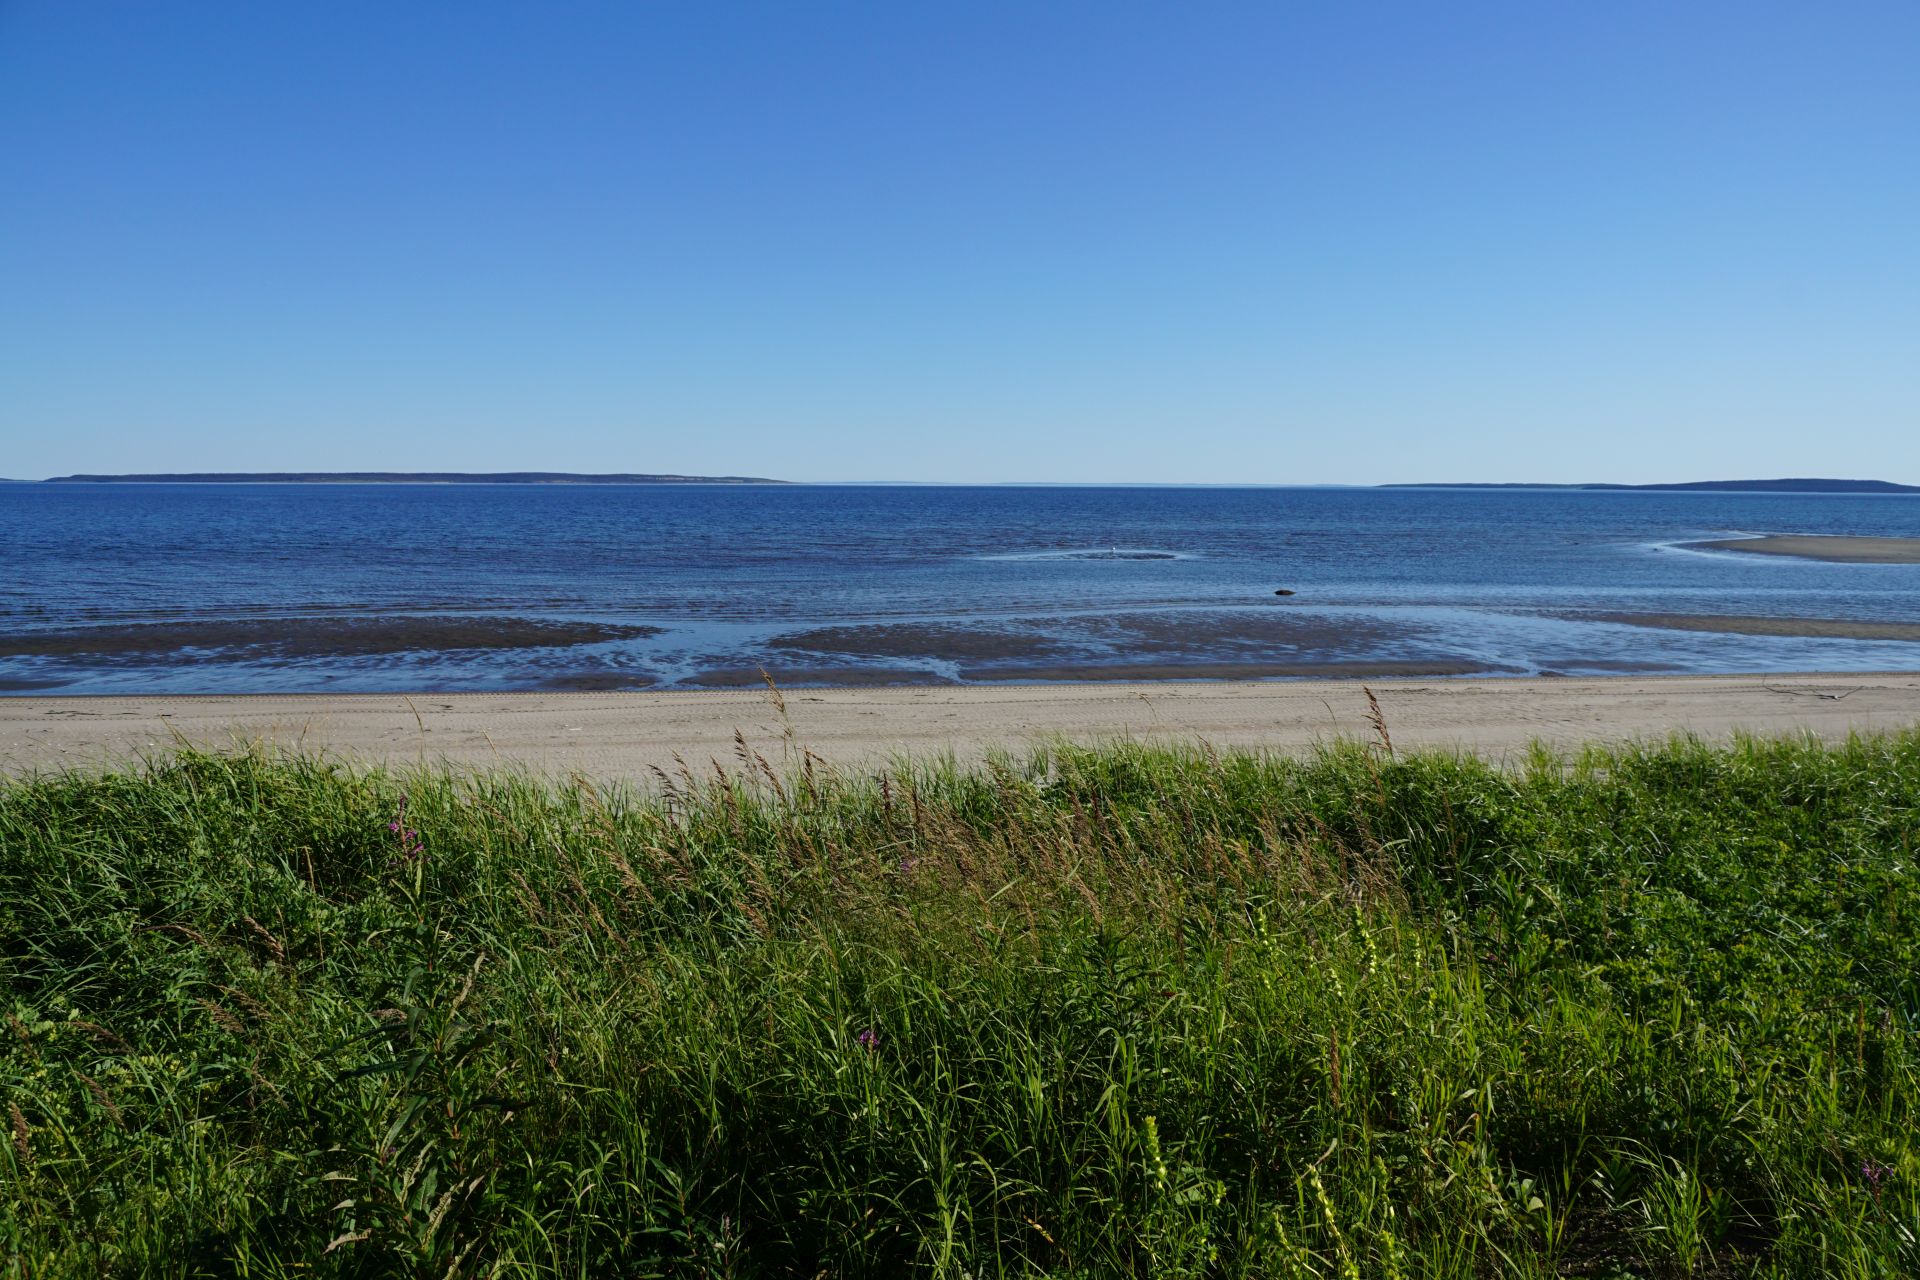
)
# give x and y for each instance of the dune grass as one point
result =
(1116, 1011)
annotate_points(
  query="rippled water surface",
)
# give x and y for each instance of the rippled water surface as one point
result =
(115, 588)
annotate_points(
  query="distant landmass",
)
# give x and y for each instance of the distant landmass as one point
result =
(1735, 486)
(401, 477)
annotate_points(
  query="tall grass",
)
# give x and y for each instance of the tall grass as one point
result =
(1123, 1011)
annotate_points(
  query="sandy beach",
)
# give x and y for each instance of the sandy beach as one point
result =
(622, 735)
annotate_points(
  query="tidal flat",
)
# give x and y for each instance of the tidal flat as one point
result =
(254, 639)
(1265, 642)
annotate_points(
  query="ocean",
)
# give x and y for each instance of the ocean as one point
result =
(336, 588)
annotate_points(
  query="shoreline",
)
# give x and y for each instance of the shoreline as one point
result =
(624, 735)
(350, 653)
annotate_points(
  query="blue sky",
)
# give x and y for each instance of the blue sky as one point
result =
(1218, 243)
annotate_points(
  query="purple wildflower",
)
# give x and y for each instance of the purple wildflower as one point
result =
(868, 1039)
(1873, 1171)
(410, 848)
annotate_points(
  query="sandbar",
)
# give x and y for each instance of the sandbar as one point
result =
(1193, 644)
(1834, 548)
(254, 638)
(620, 736)
(1748, 625)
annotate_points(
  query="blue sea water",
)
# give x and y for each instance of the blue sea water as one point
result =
(130, 588)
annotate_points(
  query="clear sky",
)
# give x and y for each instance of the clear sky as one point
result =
(1274, 243)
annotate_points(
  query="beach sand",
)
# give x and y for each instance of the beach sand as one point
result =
(621, 735)
(1830, 547)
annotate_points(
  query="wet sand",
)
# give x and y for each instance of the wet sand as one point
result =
(952, 641)
(1243, 644)
(1830, 547)
(1223, 644)
(250, 640)
(619, 735)
(1819, 628)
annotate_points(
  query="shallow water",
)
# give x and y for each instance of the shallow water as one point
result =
(861, 584)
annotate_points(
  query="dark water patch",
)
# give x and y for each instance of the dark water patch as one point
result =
(30, 684)
(596, 682)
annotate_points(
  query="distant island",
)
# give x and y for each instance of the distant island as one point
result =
(401, 477)
(1722, 486)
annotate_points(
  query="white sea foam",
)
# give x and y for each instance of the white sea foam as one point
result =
(1094, 553)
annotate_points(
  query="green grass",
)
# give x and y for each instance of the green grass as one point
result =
(1124, 1011)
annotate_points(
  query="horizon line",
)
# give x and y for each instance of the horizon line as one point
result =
(551, 479)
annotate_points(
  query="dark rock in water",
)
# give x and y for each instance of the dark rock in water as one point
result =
(1283, 591)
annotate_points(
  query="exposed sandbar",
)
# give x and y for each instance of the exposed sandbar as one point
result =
(1834, 548)
(1818, 628)
(253, 639)
(1130, 644)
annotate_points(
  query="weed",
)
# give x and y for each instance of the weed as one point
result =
(1115, 1011)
